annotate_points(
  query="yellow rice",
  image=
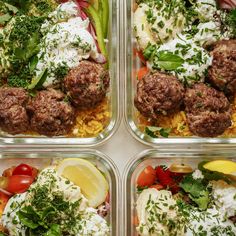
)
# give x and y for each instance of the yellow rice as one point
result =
(178, 123)
(91, 122)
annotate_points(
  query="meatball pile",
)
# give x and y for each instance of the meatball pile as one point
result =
(87, 84)
(13, 115)
(222, 73)
(208, 111)
(50, 114)
(207, 108)
(158, 93)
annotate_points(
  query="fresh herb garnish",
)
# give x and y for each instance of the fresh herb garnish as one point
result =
(153, 131)
(197, 191)
(168, 61)
(61, 71)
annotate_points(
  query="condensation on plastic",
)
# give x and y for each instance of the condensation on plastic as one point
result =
(162, 157)
(130, 64)
(41, 158)
(114, 65)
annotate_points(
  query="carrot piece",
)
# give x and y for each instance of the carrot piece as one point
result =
(135, 220)
(142, 72)
(139, 54)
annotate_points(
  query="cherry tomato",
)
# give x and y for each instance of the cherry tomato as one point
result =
(147, 177)
(16, 183)
(22, 169)
(157, 186)
(3, 201)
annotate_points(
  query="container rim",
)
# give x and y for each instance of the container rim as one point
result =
(106, 160)
(115, 120)
(129, 122)
(195, 153)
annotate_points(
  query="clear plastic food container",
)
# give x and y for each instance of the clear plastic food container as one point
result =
(155, 158)
(43, 158)
(98, 124)
(134, 121)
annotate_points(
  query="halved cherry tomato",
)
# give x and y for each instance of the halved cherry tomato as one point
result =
(22, 169)
(147, 177)
(3, 201)
(157, 186)
(16, 183)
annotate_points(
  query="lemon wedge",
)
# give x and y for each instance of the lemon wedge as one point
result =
(85, 175)
(223, 166)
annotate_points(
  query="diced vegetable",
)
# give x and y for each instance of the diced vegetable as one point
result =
(147, 177)
(142, 72)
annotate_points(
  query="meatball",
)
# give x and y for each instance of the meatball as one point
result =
(87, 84)
(50, 114)
(222, 73)
(158, 93)
(13, 115)
(208, 111)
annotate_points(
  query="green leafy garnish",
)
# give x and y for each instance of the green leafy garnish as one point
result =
(153, 131)
(231, 21)
(168, 60)
(149, 50)
(54, 231)
(38, 81)
(197, 191)
(5, 18)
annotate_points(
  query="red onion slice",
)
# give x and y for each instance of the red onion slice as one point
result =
(227, 4)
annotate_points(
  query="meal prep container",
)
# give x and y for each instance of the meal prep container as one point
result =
(130, 65)
(42, 158)
(154, 158)
(113, 96)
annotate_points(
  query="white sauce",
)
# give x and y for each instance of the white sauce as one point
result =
(206, 9)
(162, 202)
(65, 43)
(224, 196)
(197, 174)
(158, 30)
(210, 221)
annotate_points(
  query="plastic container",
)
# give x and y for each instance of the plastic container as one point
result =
(42, 158)
(112, 96)
(154, 158)
(130, 65)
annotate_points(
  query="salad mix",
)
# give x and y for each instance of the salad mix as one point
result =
(180, 200)
(187, 56)
(54, 66)
(70, 197)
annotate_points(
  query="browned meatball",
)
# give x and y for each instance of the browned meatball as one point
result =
(158, 93)
(50, 114)
(208, 111)
(13, 115)
(87, 84)
(222, 73)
